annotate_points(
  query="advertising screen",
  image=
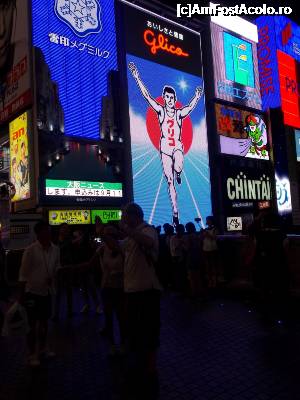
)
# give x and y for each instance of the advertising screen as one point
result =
(283, 194)
(75, 47)
(241, 132)
(297, 142)
(19, 157)
(235, 68)
(15, 93)
(246, 188)
(278, 58)
(171, 177)
(287, 36)
(106, 215)
(71, 217)
(67, 188)
(289, 72)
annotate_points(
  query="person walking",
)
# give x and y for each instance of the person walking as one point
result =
(65, 275)
(142, 289)
(193, 259)
(178, 253)
(40, 263)
(210, 249)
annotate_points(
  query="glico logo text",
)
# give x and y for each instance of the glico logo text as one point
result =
(160, 42)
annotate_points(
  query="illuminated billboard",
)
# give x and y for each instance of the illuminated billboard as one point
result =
(235, 68)
(14, 58)
(171, 176)
(67, 188)
(75, 48)
(241, 133)
(288, 69)
(245, 188)
(283, 194)
(297, 142)
(71, 217)
(19, 157)
(106, 215)
(279, 57)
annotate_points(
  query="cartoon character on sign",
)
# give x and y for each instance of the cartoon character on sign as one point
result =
(257, 133)
(170, 121)
(82, 16)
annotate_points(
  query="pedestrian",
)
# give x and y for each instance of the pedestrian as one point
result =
(82, 254)
(178, 253)
(210, 250)
(65, 275)
(142, 289)
(40, 263)
(193, 258)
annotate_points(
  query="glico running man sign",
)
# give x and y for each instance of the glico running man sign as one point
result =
(171, 178)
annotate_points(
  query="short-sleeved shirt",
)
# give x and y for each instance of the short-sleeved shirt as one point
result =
(210, 242)
(139, 272)
(38, 268)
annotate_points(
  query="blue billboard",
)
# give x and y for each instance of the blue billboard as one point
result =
(170, 162)
(75, 43)
(274, 33)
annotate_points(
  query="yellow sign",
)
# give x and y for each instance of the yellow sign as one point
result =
(19, 158)
(71, 217)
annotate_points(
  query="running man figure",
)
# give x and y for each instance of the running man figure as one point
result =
(170, 121)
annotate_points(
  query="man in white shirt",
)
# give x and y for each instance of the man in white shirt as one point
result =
(38, 271)
(142, 288)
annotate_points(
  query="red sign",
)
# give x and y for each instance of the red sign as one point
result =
(286, 34)
(17, 105)
(287, 68)
(160, 42)
(262, 205)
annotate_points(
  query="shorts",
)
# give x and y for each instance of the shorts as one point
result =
(168, 150)
(143, 318)
(38, 308)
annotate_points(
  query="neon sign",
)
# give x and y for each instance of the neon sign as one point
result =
(289, 92)
(162, 43)
(278, 57)
(243, 188)
(75, 47)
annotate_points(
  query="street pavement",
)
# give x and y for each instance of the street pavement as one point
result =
(221, 349)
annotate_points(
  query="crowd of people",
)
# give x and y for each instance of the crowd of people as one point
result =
(132, 263)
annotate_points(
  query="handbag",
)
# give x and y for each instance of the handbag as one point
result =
(15, 321)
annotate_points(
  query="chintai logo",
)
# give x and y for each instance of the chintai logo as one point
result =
(241, 188)
(82, 16)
